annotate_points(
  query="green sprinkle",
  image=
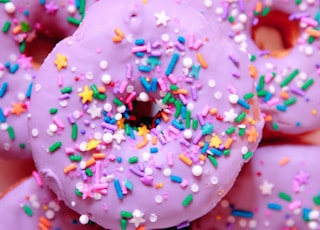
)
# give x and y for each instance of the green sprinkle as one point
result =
(188, 115)
(285, 196)
(25, 27)
(194, 124)
(133, 160)
(6, 27)
(213, 161)
(95, 90)
(178, 109)
(117, 102)
(78, 193)
(307, 84)
(248, 155)
(74, 133)
(127, 215)
(123, 224)
(298, 2)
(4, 1)
(311, 39)
(75, 158)
(74, 21)
(248, 96)
(289, 78)
(242, 131)
(231, 130)
(66, 90)
(187, 200)
(172, 100)
(265, 11)
(290, 101)
(262, 93)
(226, 152)
(261, 82)
(11, 133)
(22, 47)
(89, 172)
(127, 129)
(240, 117)
(275, 126)
(22, 146)
(166, 98)
(253, 58)
(174, 87)
(53, 111)
(316, 200)
(101, 97)
(27, 210)
(82, 6)
(231, 19)
(55, 146)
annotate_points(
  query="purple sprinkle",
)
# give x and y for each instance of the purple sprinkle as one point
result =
(189, 80)
(136, 171)
(183, 225)
(71, 119)
(194, 93)
(129, 71)
(200, 118)
(183, 99)
(84, 175)
(225, 10)
(108, 126)
(64, 96)
(263, 52)
(235, 74)
(156, 53)
(197, 138)
(185, 142)
(179, 46)
(297, 91)
(147, 180)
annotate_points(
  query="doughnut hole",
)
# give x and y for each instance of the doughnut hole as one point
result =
(144, 113)
(39, 47)
(276, 33)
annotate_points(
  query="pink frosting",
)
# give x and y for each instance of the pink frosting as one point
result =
(88, 140)
(31, 205)
(298, 112)
(21, 22)
(278, 189)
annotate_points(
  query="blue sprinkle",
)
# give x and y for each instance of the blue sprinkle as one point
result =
(204, 148)
(281, 108)
(181, 39)
(26, 13)
(3, 88)
(244, 104)
(77, 3)
(42, 2)
(154, 150)
(139, 42)
(2, 117)
(172, 64)
(131, 134)
(113, 121)
(28, 93)
(145, 84)
(274, 206)
(139, 54)
(177, 125)
(126, 115)
(128, 184)
(267, 97)
(7, 64)
(176, 179)
(119, 159)
(242, 213)
(117, 186)
(154, 84)
(183, 112)
(298, 124)
(144, 68)
(216, 152)
(14, 68)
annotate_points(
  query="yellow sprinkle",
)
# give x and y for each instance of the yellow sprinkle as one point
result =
(201, 60)
(215, 141)
(61, 61)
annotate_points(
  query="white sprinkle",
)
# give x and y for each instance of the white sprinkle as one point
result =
(153, 218)
(214, 180)
(211, 83)
(195, 188)
(107, 138)
(10, 8)
(106, 79)
(167, 172)
(84, 219)
(103, 64)
(34, 132)
(158, 199)
(233, 98)
(197, 170)
(50, 214)
(187, 133)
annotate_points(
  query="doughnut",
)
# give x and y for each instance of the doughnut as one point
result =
(27, 25)
(143, 121)
(286, 69)
(31, 205)
(278, 189)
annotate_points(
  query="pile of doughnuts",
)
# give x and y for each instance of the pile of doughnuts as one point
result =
(141, 114)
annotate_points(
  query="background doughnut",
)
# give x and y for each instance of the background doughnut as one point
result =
(144, 120)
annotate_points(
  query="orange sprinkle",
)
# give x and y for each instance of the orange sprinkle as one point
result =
(313, 33)
(201, 144)
(181, 91)
(258, 7)
(213, 111)
(185, 159)
(268, 118)
(284, 95)
(228, 143)
(42, 227)
(253, 71)
(119, 35)
(164, 116)
(284, 161)
(314, 112)
(142, 143)
(45, 221)
(99, 156)
(159, 185)
(201, 60)
(154, 140)
(202, 157)
(16, 30)
(69, 168)
(141, 227)
(90, 162)
(102, 89)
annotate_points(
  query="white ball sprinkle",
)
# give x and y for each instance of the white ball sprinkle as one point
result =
(84, 219)
(187, 133)
(103, 64)
(197, 170)
(10, 8)
(106, 79)
(107, 138)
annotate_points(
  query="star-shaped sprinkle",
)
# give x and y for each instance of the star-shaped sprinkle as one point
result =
(252, 134)
(94, 111)
(86, 191)
(18, 108)
(119, 136)
(153, 62)
(61, 61)
(86, 94)
(266, 188)
(302, 177)
(215, 141)
(120, 123)
(92, 144)
(230, 116)
(51, 8)
(142, 131)
(162, 18)
(137, 218)
(195, 71)
(24, 61)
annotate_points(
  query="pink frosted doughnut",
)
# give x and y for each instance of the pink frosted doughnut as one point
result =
(288, 69)
(31, 205)
(144, 120)
(278, 189)
(23, 22)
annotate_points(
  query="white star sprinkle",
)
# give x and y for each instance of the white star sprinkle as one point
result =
(94, 111)
(230, 116)
(119, 136)
(162, 18)
(266, 188)
(137, 218)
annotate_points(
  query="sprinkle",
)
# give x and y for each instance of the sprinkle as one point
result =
(3, 89)
(73, 20)
(284, 161)
(119, 35)
(289, 78)
(6, 27)
(213, 160)
(172, 64)
(69, 168)
(307, 84)
(127, 215)
(176, 179)
(248, 155)
(274, 206)
(11, 133)
(2, 117)
(202, 61)
(55, 146)
(133, 160)
(75, 158)
(27, 210)
(74, 132)
(97, 156)
(244, 104)
(186, 202)
(242, 213)
(285, 196)
(185, 159)
(117, 186)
